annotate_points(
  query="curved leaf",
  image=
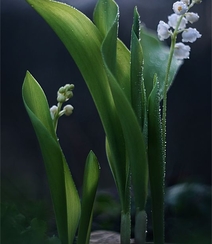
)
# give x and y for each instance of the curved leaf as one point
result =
(135, 146)
(138, 100)
(155, 61)
(156, 163)
(90, 183)
(83, 40)
(63, 191)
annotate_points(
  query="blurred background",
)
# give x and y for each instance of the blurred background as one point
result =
(28, 43)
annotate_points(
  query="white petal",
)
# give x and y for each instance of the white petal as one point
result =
(181, 51)
(180, 8)
(53, 111)
(192, 17)
(187, 2)
(190, 35)
(173, 20)
(163, 30)
(68, 109)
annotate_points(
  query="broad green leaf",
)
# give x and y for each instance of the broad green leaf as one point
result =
(138, 100)
(83, 41)
(106, 19)
(138, 91)
(90, 183)
(135, 146)
(63, 191)
(106, 15)
(155, 61)
(156, 163)
(136, 69)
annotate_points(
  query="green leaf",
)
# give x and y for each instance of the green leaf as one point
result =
(63, 191)
(90, 183)
(155, 61)
(83, 41)
(135, 146)
(138, 91)
(156, 163)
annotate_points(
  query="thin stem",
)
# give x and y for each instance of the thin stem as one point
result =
(166, 84)
(125, 230)
(173, 41)
(57, 115)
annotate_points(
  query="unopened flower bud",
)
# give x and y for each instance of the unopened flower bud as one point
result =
(180, 8)
(53, 111)
(187, 2)
(197, 1)
(61, 90)
(190, 35)
(181, 51)
(61, 98)
(69, 94)
(68, 109)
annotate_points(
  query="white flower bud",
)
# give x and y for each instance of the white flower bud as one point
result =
(181, 51)
(180, 8)
(69, 94)
(53, 111)
(192, 17)
(187, 2)
(190, 35)
(68, 109)
(163, 30)
(61, 98)
(173, 20)
(196, 1)
(61, 90)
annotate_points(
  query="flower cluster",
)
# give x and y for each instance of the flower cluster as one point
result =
(178, 21)
(63, 95)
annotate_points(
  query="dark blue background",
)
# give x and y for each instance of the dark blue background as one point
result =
(28, 43)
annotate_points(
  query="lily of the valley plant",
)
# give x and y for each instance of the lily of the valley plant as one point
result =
(127, 87)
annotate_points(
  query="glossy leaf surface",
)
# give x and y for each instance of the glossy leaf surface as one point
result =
(156, 163)
(156, 56)
(63, 192)
(90, 183)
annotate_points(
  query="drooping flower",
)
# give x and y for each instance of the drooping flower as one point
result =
(190, 35)
(68, 109)
(181, 51)
(163, 30)
(53, 111)
(192, 17)
(173, 20)
(180, 7)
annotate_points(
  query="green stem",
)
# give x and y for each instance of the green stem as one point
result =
(55, 122)
(166, 84)
(165, 94)
(173, 41)
(125, 230)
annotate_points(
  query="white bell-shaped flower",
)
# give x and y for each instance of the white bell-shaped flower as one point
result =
(181, 51)
(163, 30)
(53, 111)
(192, 17)
(180, 8)
(190, 35)
(68, 109)
(173, 20)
